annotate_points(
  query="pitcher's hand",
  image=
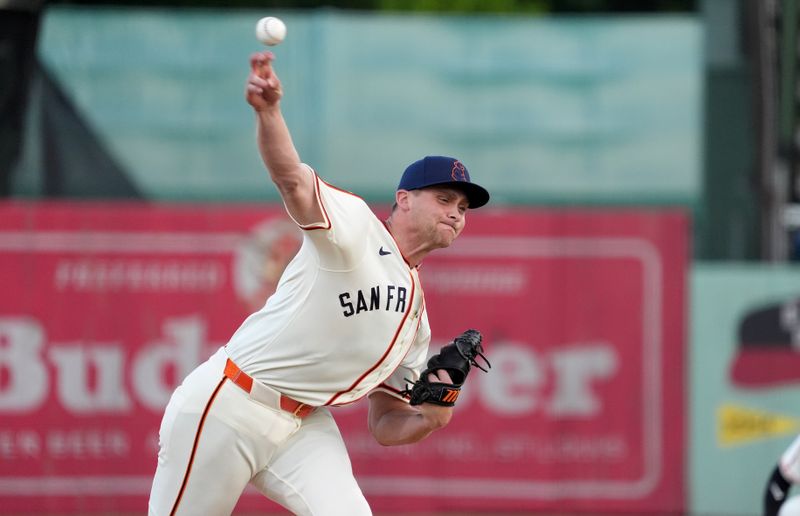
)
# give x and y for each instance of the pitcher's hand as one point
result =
(263, 85)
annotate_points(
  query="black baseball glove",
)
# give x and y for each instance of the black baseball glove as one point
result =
(456, 358)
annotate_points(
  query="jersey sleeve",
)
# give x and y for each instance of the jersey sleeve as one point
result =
(412, 366)
(790, 462)
(339, 236)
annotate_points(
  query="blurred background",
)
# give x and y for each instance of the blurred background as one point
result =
(637, 273)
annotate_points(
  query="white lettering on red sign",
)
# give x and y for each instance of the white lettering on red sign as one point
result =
(21, 343)
(90, 376)
(558, 382)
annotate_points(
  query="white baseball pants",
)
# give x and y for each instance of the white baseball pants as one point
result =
(215, 439)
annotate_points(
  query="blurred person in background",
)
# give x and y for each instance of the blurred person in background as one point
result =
(786, 473)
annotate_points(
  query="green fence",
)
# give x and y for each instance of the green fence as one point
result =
(582, 110)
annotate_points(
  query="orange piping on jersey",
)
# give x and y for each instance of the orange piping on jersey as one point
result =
(194, 447)
(390, 388)
(395, 243)
(340, 189)
(419, 321)
(413, 285)
(317, 180)
(327, 222)
(386, 353)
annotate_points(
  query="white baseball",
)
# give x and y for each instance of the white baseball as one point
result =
(270, 30)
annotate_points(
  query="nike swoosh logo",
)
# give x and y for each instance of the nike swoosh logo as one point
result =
(382, 252)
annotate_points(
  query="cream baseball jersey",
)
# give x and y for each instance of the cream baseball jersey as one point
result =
(348, 315)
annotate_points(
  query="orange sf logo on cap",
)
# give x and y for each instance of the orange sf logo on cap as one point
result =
(459, 171)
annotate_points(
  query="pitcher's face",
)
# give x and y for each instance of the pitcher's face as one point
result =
(439, 213)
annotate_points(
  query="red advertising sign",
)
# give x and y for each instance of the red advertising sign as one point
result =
(106, 306)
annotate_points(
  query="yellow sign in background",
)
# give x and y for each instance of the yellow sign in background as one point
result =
(738, 425)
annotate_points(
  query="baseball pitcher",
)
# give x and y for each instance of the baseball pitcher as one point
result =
(347, 320)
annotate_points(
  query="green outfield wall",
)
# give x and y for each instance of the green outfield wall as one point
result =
(744, 382)
(583, 110)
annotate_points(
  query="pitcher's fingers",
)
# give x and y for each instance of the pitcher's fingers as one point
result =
(260, 60)
(252, 88)
(257, 81)
(440, 376)
(255, 61)
(272, 82)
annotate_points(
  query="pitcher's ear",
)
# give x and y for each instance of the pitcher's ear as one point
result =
(401, 199)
